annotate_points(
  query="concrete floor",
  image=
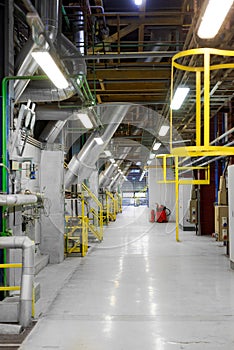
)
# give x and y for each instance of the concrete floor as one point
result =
(139, 289)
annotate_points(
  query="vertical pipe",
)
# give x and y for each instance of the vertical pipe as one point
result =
(172, 77)
(177, 197)
(198, 108)
(216, 162)
(206, 97)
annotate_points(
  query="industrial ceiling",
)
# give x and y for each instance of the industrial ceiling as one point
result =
(128, 51)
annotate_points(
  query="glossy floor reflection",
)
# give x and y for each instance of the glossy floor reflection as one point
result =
(139, 289)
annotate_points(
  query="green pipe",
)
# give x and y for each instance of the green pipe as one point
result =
(4, 188)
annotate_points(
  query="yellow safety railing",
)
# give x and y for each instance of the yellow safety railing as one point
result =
(177, 181)
(203, 146)
(97, 215)
(15, 288)
(119, 202)
(9, 266)
(111, 204)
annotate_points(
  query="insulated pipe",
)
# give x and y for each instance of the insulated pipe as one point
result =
(83, 163)
(11, 200)
(27, 279)
(105, 175)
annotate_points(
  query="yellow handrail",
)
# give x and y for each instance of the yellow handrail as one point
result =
(98, 214)
(15, 288)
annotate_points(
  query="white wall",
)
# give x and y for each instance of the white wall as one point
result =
(161, 193)
(184, 211)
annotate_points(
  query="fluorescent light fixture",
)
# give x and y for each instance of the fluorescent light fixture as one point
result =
(48, 65)
(156, 146)
(112, 160)
(179, 97)
(107, 153)
(115, 164)
(149, 162)
(138, 2)
(138, 163)
(163, 130)
(99, 140)
(215, 88)
(151, 156)
(85, 120)
(213, 18)
(142, 175)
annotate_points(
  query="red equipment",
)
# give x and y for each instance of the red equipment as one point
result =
(162, 213)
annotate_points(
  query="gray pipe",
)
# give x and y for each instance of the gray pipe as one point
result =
(27, 279)
(105, 175)
(17, 199)
(83, 164)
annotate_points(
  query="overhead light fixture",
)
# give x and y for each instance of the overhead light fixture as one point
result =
(85, 120)
(115, 164)
(99, 140)
(163, 130)
(138, 163)
(213, 18)
(149, 162)
(138, 2)
(50, 68)
(142, 175)
(156, 146)
(215, 87)
(179, 97)
(151, 156)
(112, 160)
(107, 153)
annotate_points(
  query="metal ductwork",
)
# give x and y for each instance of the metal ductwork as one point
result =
(52, 131)
(44, 91)
(105, 176)
(25, 63)
(114, 182)
(26, 292)
(83, 164)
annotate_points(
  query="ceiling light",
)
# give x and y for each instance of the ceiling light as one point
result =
(138, 2)
(156, 146)
(112, 160)
(179, 97)
(138, 163)
(142, 175)
(163, 130)
(48, 65)
(107, 153)
(149, 162)
(99, 140)
(151, 156)
(115, 164)
(213, 18)
(85, 120)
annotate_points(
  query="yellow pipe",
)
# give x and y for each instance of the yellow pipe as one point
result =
(177, 198)
(8, 266)
(10, 288)
(206, 98)
(198, 108)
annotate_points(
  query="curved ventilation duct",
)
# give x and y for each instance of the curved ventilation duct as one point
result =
(83, 164)
(45, 91)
